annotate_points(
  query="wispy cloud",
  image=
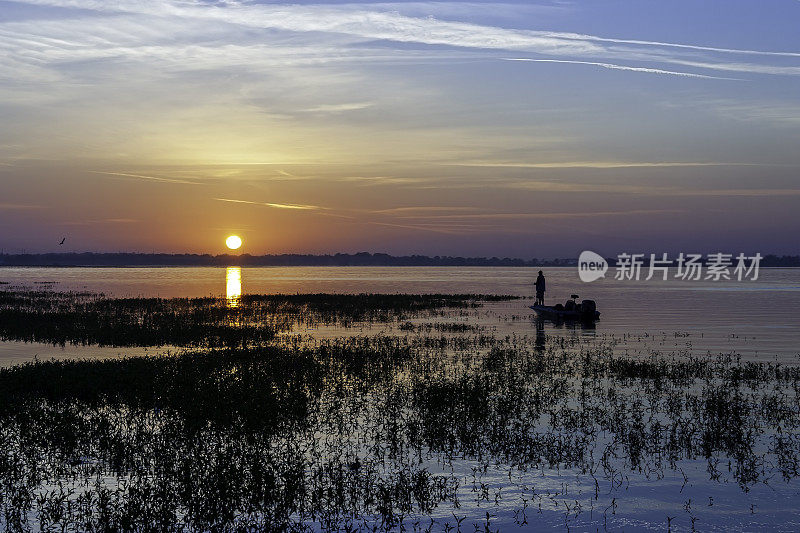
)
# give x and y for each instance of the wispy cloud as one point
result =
(584, 37)
(447, 229)
(753, 68)
(382, 180)
(596, 164)
(425, 210)
(643, 189)
(730, 192)
(55, 41)
(18, 207)
(339, 108)
(95, 222)
(269, 204)
(507, 223)
(775, 113)
(612, 66)
(147, 178)
(549, 216)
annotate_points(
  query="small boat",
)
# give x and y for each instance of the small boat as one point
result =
(585, 310)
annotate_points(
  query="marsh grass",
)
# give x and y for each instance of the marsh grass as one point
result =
(378, 432)
(90, 319)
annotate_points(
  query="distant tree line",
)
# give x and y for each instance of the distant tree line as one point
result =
(781, 261)
(769, 260)
(359, 259)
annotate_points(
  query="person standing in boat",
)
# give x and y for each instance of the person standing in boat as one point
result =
(540, 288)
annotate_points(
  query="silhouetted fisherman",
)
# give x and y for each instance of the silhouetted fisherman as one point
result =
(540, 288)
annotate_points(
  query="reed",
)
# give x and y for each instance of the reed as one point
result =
(90, 319)
(428, 429)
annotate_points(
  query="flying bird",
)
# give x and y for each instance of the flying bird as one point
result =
(62, 241)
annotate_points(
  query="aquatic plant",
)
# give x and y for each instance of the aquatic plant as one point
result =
(88, 319)
(434, 428)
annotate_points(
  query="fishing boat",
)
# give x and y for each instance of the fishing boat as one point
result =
(585, 310)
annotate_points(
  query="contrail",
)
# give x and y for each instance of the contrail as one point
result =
(613, 66)
(268, 204)
(581, 37)
(151, 178)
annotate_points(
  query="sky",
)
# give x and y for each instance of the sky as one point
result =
(510, 129)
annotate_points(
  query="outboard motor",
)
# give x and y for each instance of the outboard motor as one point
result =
(570, 305)
(588, 308)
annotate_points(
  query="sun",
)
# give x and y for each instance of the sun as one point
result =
(233, 242)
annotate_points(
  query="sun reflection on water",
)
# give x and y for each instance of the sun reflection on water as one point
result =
(233, 279)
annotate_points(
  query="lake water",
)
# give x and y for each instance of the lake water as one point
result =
(757, 319)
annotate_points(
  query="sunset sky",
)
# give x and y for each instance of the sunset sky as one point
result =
(458, 128)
